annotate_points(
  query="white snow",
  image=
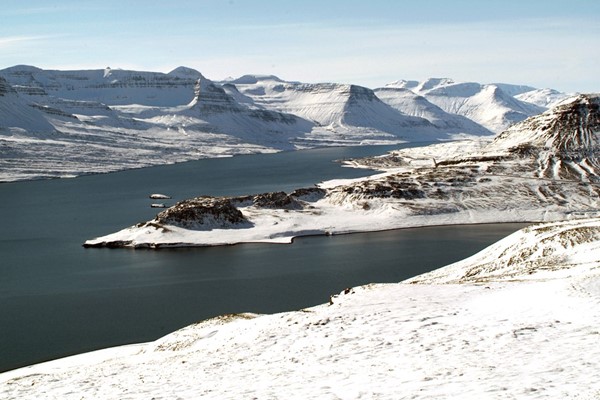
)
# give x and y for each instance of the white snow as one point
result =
(546, 98)
(493, 106)
(111, 119)
(526, 328)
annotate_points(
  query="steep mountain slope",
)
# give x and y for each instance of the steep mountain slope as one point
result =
(98, 130)
(337, 108)
(514, 90)
(487, 105)
(547, 165)
(17, 116)
(213, 105)
(406, 101)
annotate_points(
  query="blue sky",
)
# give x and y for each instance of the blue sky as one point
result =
(545, 43)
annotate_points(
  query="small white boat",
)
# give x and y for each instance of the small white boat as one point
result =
(159, 196)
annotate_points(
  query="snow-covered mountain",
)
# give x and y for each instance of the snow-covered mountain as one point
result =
(545, 168)
(110, 119)
(213, 109)
(486, 104)
(342, 108)
(107, 120)
(547, 98)
(519, 320)
(108, 86)
(408, 102)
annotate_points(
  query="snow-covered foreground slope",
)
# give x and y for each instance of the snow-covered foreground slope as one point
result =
(545, 168)
(520, 320)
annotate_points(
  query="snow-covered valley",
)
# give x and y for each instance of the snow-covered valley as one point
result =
(68, 123)
(517, 320)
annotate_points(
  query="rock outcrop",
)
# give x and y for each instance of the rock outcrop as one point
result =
(202, 213)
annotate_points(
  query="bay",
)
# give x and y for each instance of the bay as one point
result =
(58, 299)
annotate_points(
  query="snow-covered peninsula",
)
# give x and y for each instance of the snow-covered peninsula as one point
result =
(517, 320)
(542, 169)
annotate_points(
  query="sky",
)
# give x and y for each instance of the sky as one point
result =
(542, 43)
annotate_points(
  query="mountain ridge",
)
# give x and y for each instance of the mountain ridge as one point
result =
(181, 115)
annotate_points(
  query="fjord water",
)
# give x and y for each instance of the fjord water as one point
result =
(57, 298)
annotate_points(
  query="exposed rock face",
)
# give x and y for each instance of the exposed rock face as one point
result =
(277, 200)
(5, 87)
(202, 213)
(309, 194)
(210, 98)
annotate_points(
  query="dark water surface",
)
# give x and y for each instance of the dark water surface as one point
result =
(57, 298)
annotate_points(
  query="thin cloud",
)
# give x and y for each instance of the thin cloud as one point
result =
(53, 9)
(7, 41)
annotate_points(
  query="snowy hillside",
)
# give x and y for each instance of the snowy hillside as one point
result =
(551, 250)
(408, 102)
(522, 322)
(17, 117)
(547, 98)
(486, 104)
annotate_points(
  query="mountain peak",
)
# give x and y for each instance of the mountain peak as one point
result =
(434, 82)
(185, 72)
(402, 84)
(254, 79)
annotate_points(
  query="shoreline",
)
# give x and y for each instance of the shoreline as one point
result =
(275, 226)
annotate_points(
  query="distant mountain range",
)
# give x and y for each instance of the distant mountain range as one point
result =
(63, 123)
